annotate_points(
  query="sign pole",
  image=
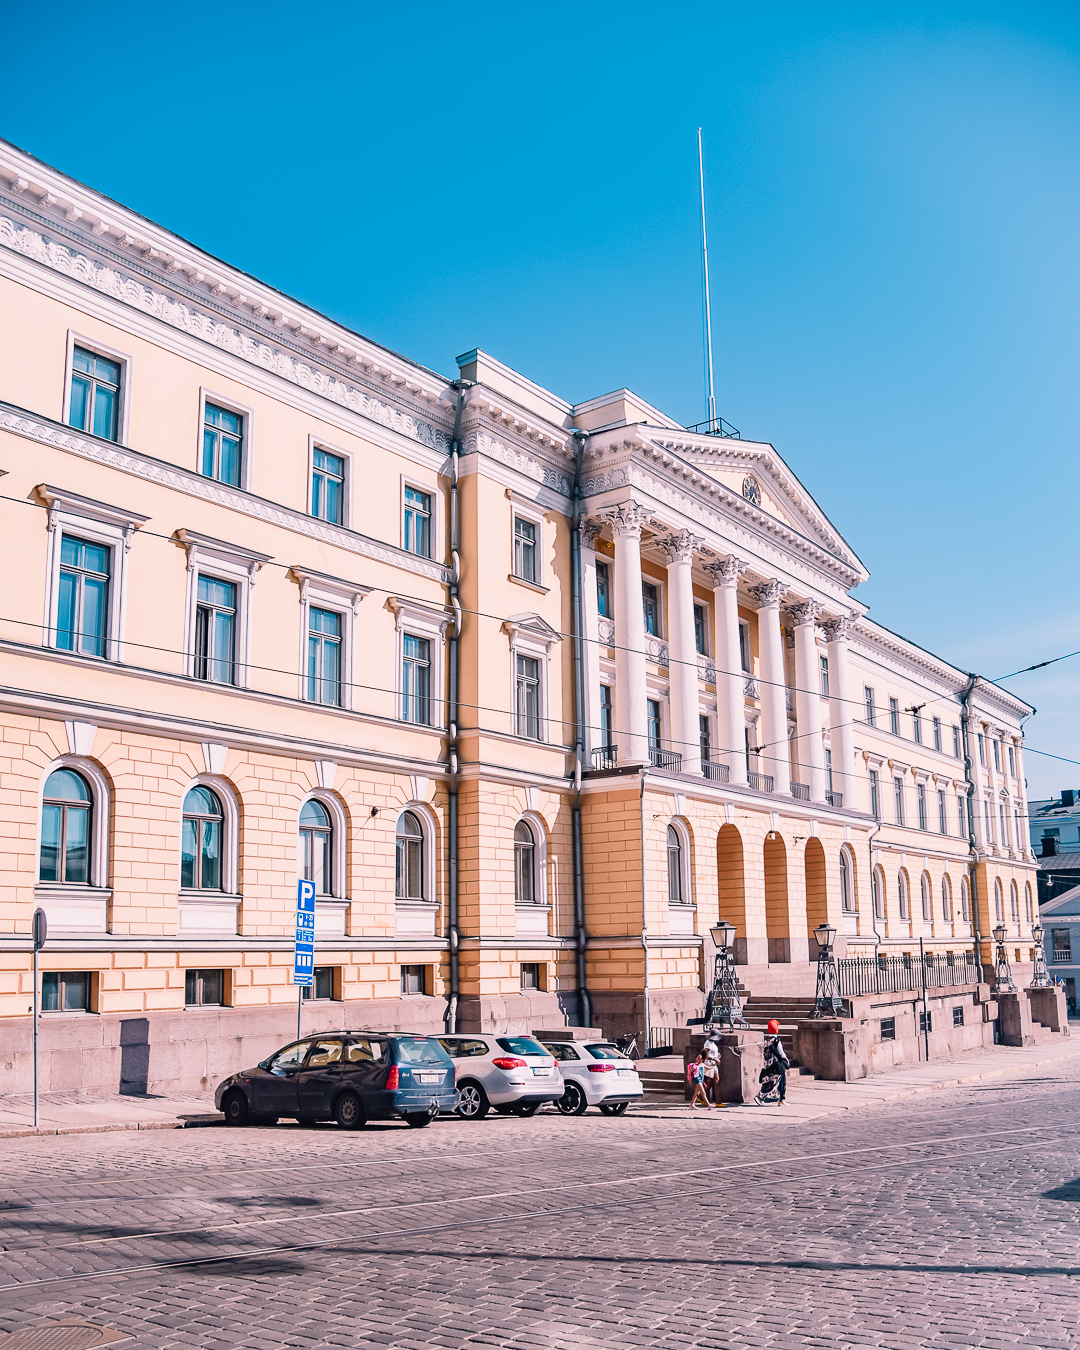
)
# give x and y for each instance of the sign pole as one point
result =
(304, 949)
(40, 932)
(299, 1007)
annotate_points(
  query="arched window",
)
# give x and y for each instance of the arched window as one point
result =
(1014, 904)
(65, 829)
(524, 864)
(965, 900)
(902, 892)
(1027, 903)
(409, 876)
(674, 866)
(847, 884)
(317, 847)
(202, 841)
(946, 899)
(877, 888)
(999, 903)
(926, 895)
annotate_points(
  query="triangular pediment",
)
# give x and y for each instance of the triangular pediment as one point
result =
(1066, 905)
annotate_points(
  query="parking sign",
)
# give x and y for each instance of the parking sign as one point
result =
(304, 955)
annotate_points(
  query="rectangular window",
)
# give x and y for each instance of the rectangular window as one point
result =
(530, 976)
(894, 717)
(937, 733)
(525, 550)
(943, 819)
(416, 680)
(958, 1016)
(898, 800)
(204, 988)
(745, 655)
(701, 628)
(322, 987)
(961, 814)
(603, 592)
(982, 750)
(824, 665)
(920, 797)
(82, 611)
(654, 724)
(704, 738)
(527, 697)
(988, 821)
(324, 656)
(997, 756)
(888, 1028)
(916, 725)
(605, 716)
(926, 1021)
(956, 743)
(416, 529)
(650, 601)
(875, 795)
(65, 991)
(1012, 762)
(328, 486)
(1004, 835)
(95, 394)
(215, 631)
(868, 699)
(412, 979)
(828, 767)
(222, 444)
(1062, 944)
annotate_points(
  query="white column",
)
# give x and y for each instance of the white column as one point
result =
(631, 713)
(588, 532)
(730, 680)
(682, 648)
(809, 753)
(841, 709)
(772, 684)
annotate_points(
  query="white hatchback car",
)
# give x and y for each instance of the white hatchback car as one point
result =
(513, 1074)
(595, 1073)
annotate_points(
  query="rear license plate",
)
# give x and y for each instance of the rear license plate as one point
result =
(541, 1073)
(429, 1077)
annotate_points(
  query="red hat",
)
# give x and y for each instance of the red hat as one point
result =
(773, 1027)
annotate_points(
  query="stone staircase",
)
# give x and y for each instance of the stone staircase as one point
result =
(759, 1010)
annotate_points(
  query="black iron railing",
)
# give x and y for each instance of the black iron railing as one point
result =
(834, 798)
(665, 759)
(719, 773)
(605, 757)
(760, 782)
(899, 974)
(717, 427)
(800, 791)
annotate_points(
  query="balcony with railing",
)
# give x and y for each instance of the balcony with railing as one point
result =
(665, 759)
(899, 974)
(1062, 954)
(800, 792)
(835, 798)
(605, 757)
(760, 782)
(715, 772)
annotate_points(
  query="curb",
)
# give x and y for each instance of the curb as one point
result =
(30, 1132)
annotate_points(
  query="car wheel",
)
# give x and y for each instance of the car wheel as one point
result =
(417, 1119)
(235, 1108)
(614, 1108)
(527, 1109)
(349, 1112)
(573, 1102)
(472, 1103)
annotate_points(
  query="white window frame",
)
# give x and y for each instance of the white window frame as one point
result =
(531, 635)
(747, 670)
(415, 620)
(320, 591)
(426, 816)
(247, 415)
(708, 653)
(225, 562)
(100, 816)
(903, 895)
(661, 608)
(848, 857)
(101, 523)
(123, 359)
(520, 507)
(425, 485)
(679, 825)
(331, 911)
(321, 443)
(223, 905)
(540, 861)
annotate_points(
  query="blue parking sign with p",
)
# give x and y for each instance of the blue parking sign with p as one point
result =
(304, 954)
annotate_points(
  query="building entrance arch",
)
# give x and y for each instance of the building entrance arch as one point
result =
(731, 885)
(777, 924)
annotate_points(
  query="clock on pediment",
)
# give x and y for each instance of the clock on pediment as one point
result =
(751, 490)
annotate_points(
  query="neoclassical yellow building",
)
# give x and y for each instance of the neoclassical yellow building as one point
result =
(533, 692)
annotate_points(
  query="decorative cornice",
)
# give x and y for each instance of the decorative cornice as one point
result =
(767, 593)
(726, 571)
(678, 547)
(46, 432)
(524, 461)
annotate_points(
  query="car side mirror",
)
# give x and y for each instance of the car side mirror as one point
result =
(264, 1064)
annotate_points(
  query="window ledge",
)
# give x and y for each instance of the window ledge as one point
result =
(531, 907)
(46, 890)
(529, 585)
(416, 904)
(212, 897)
(682, 905)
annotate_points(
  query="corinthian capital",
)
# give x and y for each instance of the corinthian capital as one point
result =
(768, 593)
(590, 529)
(837, 629)
(626, 519)
(726, 572)
(678, 547)
(804, 612)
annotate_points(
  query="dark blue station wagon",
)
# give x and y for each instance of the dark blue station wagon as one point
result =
(348, 1076)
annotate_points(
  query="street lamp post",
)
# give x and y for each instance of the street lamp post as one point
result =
(1041, 978)
(827, 1000)
(1002, 971)
(723, 1008)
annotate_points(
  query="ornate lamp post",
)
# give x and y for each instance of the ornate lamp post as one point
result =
(723, 1006)
(827, 1000)
(1002, 972)
(1041, 978)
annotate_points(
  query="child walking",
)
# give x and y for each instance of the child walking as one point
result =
(695, 1073)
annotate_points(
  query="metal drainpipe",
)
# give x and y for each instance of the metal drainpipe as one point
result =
(581, 936)
(965, 726)
(453, 935)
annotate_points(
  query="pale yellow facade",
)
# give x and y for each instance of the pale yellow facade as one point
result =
(748, 777)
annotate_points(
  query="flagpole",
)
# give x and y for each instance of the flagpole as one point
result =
(710, 396)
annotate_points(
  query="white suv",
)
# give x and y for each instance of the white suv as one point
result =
(596, 1073)
(513, 1074)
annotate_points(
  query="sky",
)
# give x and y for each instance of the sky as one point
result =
(893, 194)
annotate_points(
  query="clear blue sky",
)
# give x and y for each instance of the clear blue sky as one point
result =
(893, 192)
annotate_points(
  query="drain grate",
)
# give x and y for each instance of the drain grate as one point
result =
(61, 1336)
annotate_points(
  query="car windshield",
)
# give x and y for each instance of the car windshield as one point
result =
(521, 1045)
(419, 1050)
(604, 1052)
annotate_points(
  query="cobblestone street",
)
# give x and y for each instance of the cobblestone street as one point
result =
(944, 1220)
